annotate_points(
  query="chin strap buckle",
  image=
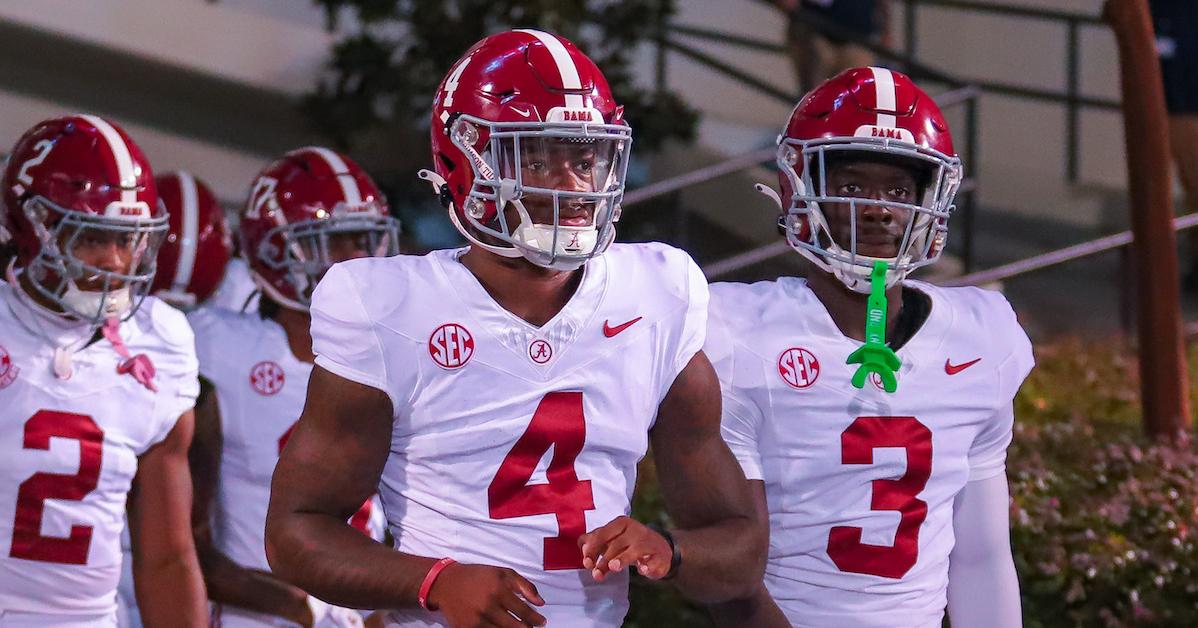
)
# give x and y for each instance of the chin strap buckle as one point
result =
(440, 186)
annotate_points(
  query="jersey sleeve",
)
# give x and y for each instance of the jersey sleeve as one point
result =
(693, 330)
(344, 338)
(177, 371)
(206, 331)
(988, 453)
(740, 418)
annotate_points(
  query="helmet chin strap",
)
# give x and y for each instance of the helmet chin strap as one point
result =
(769, 193)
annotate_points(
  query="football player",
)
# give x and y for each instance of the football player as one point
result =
(886, 503)
(191, 263)
(97, 386)
(199, 244)
(501, 395)
(306, 211)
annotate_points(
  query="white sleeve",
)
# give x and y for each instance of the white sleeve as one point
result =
(177, 375)
(983, 590)
(988, 453)
(687, 339)
(206, 329)
(343, 336)
(740, 418)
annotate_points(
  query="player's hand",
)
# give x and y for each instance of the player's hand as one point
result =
(482, 595)
(622, 543)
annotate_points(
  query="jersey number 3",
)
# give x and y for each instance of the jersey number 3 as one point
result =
(557, 423)
(857, 444)
(27, 539)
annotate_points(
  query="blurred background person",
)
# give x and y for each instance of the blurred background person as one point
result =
(1176, 25)
(818, 36)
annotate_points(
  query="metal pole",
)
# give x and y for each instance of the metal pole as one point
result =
(909, 26)
(660, 60)
(1164, 381)
(969, 202)
(1072, 93)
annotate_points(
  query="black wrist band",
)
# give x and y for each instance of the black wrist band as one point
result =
(676, 552)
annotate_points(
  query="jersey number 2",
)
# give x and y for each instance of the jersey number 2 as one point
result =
(857, 444)
(557, 423)
(27, 539)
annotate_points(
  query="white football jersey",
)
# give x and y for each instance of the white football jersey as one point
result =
(510, 441)
(260, 390)
(70, 448)
(860, 483)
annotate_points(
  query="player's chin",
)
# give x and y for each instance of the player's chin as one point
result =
(884, 251)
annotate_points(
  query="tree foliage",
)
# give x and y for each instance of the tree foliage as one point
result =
(384, 73)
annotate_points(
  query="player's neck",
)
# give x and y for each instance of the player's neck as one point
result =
(528, 291)
(297, 326)
(848, 308)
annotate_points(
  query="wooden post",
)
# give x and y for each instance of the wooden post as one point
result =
(1164, 383)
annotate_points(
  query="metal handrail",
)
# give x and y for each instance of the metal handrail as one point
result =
(701, 175)
(765, 155)
(1059, 256)
(991, 275)
(727, 70)
(1072, 97)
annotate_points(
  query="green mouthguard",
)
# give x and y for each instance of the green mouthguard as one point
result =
(874, 356)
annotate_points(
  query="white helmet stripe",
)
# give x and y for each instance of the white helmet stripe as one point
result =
(887, 97)
(565, 65)
(349, 185)
(126, 175)
(189, 239)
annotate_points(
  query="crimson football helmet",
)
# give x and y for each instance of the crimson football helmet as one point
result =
(518, 105)
(865, 113)
(198, 244)
(71, 184)
(296, 204)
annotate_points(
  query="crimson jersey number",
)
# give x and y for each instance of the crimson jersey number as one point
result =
(558, 423)
(27, 539)
(857, 444)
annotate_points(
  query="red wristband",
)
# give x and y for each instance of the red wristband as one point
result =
(429, 579)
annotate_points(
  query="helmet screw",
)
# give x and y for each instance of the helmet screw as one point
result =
(465, 133)
(476, 208)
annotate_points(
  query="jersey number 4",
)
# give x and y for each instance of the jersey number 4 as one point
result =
(558, 423)
(857, 444)
(27, 539)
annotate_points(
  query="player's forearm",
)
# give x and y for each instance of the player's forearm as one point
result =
(722, 561)
(235, 585)
(170, 592)
(984, 594)
(755, 611)
(338, 564)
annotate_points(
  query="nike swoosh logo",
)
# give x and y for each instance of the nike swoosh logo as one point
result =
(523, 112)
(952, 369)
(610, 331)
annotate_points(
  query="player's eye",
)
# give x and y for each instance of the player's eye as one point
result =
(900, 192)
(850, 189)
